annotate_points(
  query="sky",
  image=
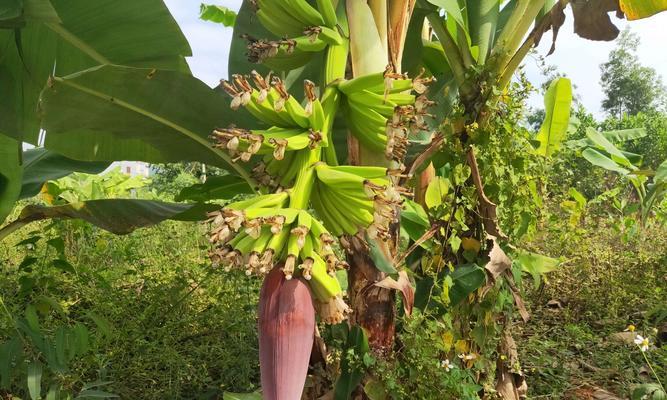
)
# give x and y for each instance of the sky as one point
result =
(577, 58)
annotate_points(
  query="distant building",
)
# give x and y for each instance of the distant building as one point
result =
(133, 168)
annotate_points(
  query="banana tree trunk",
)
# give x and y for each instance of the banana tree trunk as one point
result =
(377, 35)
(374, 308)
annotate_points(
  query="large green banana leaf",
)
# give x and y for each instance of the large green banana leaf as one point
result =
(65, 36)
(119, 216)
(483, 19)
(123, 113)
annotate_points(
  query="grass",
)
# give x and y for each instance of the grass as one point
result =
(571, 345)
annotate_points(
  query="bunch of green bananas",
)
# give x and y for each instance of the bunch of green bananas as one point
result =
(351, 199)
(258, 233)
(293, 127)
(381, 112)
(308, 29)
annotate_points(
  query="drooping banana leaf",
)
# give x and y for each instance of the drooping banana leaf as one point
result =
(41, 165)
(598, 159)
(215, 188)
(601, 143)
(66, 36)
(122, 113)
(119, 216)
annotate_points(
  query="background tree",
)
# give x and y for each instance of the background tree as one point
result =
(629, 87)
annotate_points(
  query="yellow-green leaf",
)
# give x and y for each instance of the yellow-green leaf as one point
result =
(436, 192)
(638, 9)
(557, 103)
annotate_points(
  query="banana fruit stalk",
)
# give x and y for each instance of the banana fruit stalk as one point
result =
(381, 114)
(261, 233)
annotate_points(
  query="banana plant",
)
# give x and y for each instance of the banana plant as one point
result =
(332, 153)
(600, 150)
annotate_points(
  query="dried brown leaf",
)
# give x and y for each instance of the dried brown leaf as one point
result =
(511, 385)
(520, 305)
(404, 286)
(592, 21)
(498, 261)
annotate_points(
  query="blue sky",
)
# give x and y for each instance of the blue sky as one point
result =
(577, 58)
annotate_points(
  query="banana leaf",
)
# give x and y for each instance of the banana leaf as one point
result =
(638, 9)
(123, 113)
(557, 103)
(119, 216)
(66, 36)
(41, 165)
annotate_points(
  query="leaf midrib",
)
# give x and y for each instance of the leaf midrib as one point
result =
(192, 135)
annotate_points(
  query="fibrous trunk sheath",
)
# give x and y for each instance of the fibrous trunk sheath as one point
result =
(373, 307)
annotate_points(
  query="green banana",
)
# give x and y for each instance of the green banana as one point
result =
(353, 217)
(278, 23)
(329, 221)
(377, 83)
(284, 61)
(336, 62)
(330, 36)
(344, 221)
(296, 112)
(290, 214)
(304, 12)
(339, 179)
(261, 201)
(360, 83)
(369, 100)
(277, 19)
(321, 282)
(263, 112)
(365, 171)
(316, 118)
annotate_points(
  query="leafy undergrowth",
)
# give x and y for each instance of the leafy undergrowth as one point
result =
(575, 343)
(172, 327)
(179, 329)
